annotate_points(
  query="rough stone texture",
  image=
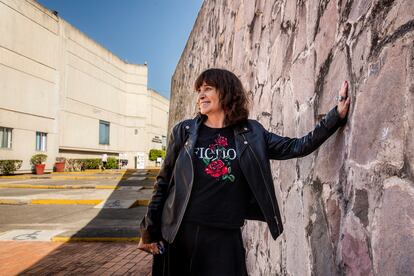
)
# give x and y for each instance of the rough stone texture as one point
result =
(396, 215)
(348, 207)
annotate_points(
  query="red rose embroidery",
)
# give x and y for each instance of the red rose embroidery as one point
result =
(216, 168)
(212, 147)
(221, 141)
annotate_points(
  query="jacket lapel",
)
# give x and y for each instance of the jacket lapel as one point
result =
(192, 129)
(241, 132)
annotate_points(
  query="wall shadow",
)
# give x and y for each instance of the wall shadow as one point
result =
(107, 245)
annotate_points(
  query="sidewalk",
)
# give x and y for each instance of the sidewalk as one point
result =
(54, 258)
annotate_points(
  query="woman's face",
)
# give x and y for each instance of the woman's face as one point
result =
(208, 100)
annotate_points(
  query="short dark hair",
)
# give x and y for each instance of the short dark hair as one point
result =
(233, 97)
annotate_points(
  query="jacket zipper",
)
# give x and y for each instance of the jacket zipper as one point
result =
(267, 189)
(188, 196)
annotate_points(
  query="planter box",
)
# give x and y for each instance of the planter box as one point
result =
(60, 166)
(40, 168)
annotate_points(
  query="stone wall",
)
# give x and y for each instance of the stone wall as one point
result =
(348, 208)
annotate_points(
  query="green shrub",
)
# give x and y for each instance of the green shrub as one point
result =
(73, 165)
(91, 163)
(38, 159)
(10, 166)
(94, 163)
(112, 163)
(82, 164)
(60, 159)
(154, 153)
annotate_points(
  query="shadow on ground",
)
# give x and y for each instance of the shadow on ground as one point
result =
(85, 253)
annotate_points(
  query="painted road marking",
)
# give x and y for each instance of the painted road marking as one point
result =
(29, 235)
(139, 173)
(130, 188)
(116, 204)
(136, 178)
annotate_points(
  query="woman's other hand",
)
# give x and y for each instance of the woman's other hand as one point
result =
(151, 248)
(344, 100)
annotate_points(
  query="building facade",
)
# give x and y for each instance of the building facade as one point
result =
(63, 94)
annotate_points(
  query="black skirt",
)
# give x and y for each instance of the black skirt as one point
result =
(202, 250)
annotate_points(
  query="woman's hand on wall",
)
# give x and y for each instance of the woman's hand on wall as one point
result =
(343, 101)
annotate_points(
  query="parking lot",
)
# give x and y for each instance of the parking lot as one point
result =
(90, 208)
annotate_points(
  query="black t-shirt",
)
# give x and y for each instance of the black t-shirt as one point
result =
(220, 193)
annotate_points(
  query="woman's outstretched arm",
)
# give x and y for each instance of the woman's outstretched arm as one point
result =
(281, 148)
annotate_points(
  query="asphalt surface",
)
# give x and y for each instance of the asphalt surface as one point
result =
(70, 217)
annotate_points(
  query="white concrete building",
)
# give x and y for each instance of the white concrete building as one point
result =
(63, 94)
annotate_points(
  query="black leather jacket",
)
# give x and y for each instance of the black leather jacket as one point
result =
(255, 147)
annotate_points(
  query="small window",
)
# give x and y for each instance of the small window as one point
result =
(103, 133)
(164, 142)
(41, 141)
(5, 137)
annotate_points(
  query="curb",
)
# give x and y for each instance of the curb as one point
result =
(50, 201)
(116, 234)
(138, 202)
(95, 239)
(75, 177)
(112, 234)
(63, 177)
(13, 202)
(69, 174)
(141, 202)
(65, 201)
(26, 186)
(92, 172)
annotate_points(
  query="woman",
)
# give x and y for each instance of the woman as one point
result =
(217, 174)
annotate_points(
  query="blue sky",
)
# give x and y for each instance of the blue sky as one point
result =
(154, 31)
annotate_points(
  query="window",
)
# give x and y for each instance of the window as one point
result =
(41, 141)
(103, 133)
(164, 142)
(5, 137)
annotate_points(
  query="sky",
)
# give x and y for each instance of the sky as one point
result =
(137, 31)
